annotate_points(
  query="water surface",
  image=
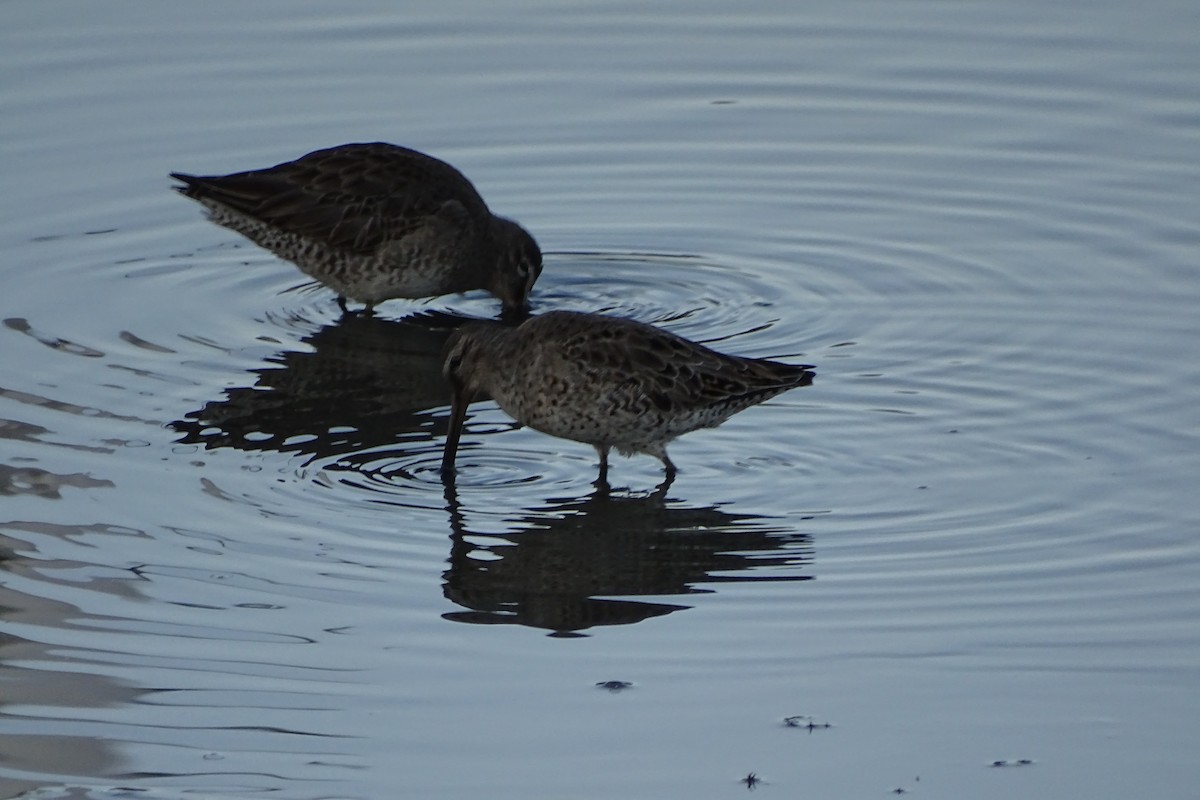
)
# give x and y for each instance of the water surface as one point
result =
(969, 548)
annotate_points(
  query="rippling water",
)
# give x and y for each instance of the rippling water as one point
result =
(964, 559)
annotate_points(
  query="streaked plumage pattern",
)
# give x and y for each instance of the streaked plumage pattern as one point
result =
(606, 381)
(376, 221)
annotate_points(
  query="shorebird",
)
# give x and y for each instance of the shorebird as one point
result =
(376, 221)
(606, 381)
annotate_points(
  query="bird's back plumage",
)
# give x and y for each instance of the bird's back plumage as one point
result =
(611, 382)
(375, 221)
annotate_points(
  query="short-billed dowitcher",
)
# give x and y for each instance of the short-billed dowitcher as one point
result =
(374, 222)
(606, 381)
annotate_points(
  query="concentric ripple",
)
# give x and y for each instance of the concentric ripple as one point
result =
(408, 476)
(694, 296)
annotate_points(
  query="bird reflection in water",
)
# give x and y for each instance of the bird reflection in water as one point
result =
(365, 382)
(559, 565)
(369, 382)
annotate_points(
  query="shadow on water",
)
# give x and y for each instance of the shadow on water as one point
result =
(557, 570)
(15, 480)
(366, 381)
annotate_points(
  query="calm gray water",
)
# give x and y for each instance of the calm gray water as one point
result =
(970, 548)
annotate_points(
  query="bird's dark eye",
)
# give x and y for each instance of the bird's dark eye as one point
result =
(454, 363)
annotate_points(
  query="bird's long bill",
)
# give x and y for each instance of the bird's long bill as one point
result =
(458, 416)
(515, 314)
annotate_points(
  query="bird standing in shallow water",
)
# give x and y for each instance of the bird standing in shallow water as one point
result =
(376, 221)
(606, 381)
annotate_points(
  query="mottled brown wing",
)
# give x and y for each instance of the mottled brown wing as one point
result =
(674, 374)
(351, 197)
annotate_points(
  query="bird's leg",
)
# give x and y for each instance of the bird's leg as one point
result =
(668, 467)
(660, 491)
(341, 301)
(602, 478)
